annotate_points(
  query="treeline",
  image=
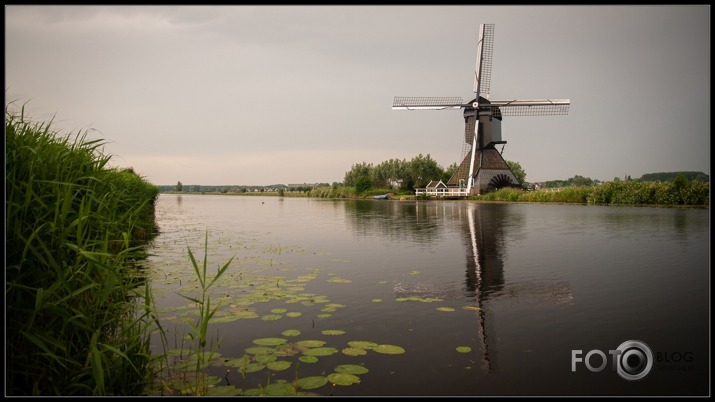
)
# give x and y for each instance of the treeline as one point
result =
(679, 191)
(397, 174)
(667, 176)
(197, 188)
(74, 228)
(663, 176)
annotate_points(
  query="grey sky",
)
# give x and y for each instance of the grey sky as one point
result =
(292, 94)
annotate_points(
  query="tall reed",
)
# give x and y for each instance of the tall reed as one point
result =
(74, 322)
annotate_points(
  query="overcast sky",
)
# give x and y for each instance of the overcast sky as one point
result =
(264, 95)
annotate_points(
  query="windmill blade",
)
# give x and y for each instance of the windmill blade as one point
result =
(531, 107)
(427, 103)
(483, 69)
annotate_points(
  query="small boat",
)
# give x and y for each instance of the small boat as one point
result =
(381, 196)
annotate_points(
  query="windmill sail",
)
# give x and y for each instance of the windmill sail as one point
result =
(427, 103)
(483, 69)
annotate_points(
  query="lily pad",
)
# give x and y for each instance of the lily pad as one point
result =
(311, 343)
(336, 279)
(278, 310)
(308, 359)
(248, 368)
(362, 344)
(223, 390)
(263, 359)
(311, 382)
(333, 332)
(294, 314)
(324, 351)
(351, 369)
(343, 379)
(388, 349)
(260, 350)
(376, 300)
(235, 316)
(290, 332)
(419, 299)
(279, 389)
(464, 349)
(278, 365)
(326, 315)
(447, 309)
(354, 352)
(271, 317)
(269, 341)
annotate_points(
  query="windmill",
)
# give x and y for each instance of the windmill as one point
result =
(483, 168)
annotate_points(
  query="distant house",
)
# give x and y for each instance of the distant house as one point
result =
(436, 187)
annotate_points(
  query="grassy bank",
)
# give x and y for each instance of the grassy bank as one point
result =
(676, 192)
(666, 193)
(74, 227)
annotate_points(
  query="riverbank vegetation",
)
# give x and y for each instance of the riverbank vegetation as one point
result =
(679, 191)
(78, 314)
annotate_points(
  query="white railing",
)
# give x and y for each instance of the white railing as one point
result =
(441, 192)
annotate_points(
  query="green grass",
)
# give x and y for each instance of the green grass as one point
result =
(77, 315)
(676, 192)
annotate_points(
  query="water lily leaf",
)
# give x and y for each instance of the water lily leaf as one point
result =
(252, 368)
(464, 349)
(471, 308)
(279, 389)
(388, 349)
(270, 341)
(234, 316)
(324, 351)
(343, 379)
(223, 390)
(333, 332)
(278, 310)
(376, 300)
(260, 350)
(253, 392)
(308, 359)
(336, 279)
(311, 343)
(415, 273)
(278, 365)
(271, 317)
(382, 282)
(294, 314)
(351, 369)
(419, 299)
(447, 309)
(290, 332)
(311, 382)
(324, 315)
(263, 359)
(354, 352)
(362, 344)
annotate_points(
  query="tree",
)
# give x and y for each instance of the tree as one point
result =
(423, 169)
(179, 186)
(449, 172)
(359, 174)
(518, 171)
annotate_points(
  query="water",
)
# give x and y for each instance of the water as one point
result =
(528, 284)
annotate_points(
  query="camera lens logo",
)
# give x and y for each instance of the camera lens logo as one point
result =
(634, 361)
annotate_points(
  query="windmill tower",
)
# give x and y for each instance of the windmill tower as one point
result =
(483, 168)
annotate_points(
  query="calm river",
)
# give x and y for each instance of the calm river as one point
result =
(439, 298)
